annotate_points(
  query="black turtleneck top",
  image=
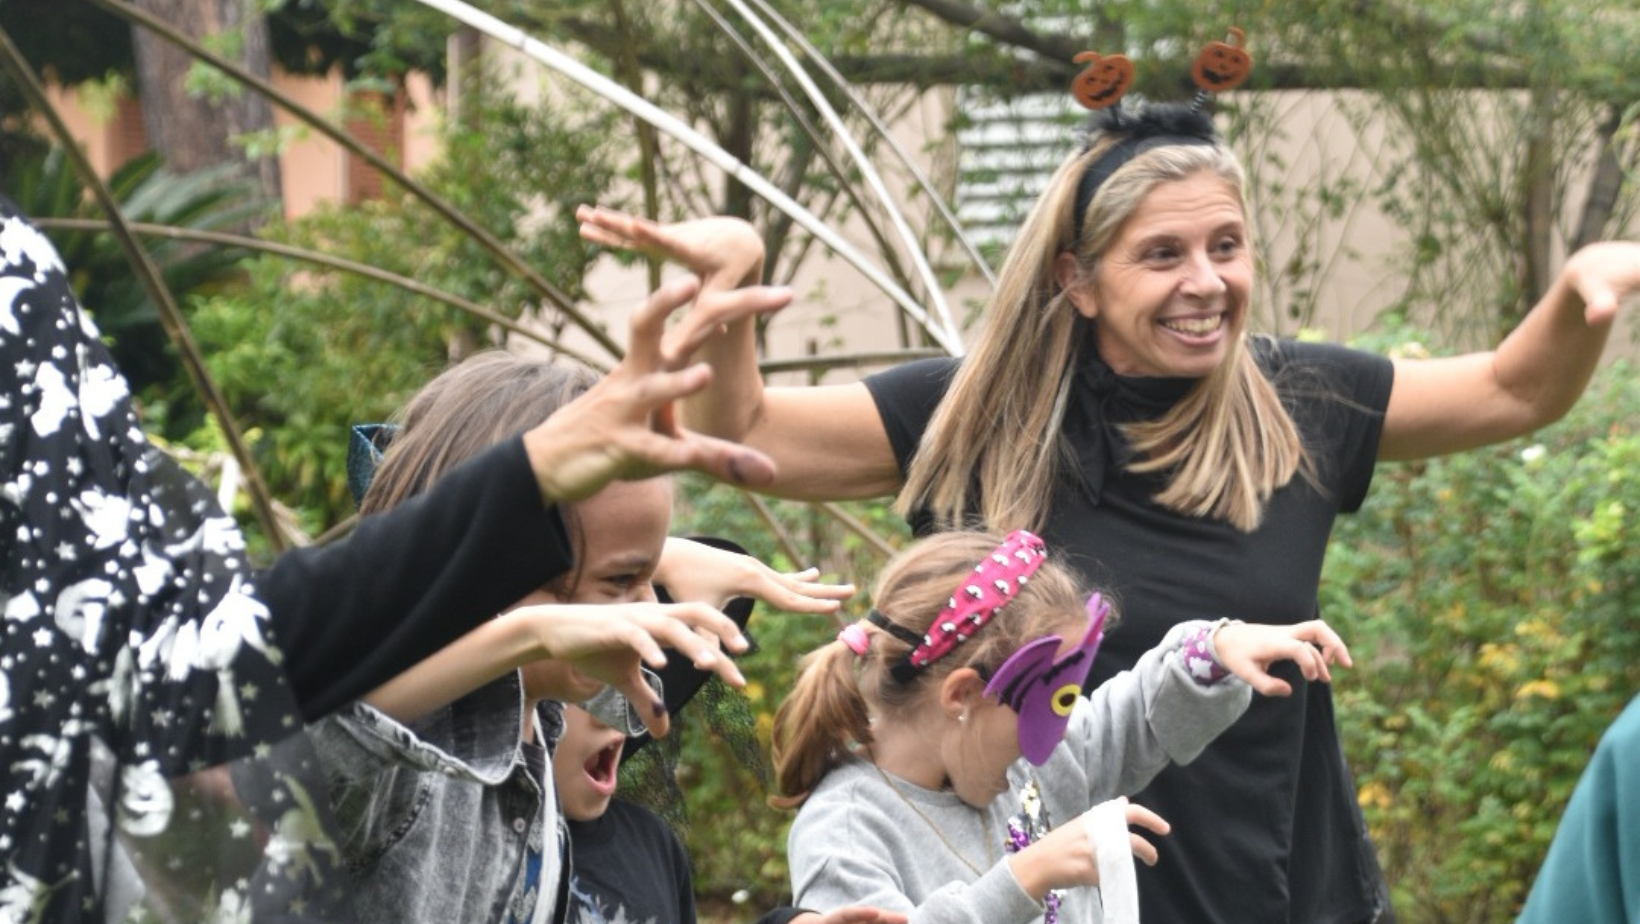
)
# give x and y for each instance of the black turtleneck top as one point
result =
(1266, 826)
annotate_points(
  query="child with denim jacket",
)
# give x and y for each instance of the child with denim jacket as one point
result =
(439, 778)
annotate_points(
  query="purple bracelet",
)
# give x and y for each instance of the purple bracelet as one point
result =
(1199, 657)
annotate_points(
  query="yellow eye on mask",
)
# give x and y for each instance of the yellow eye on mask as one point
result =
(1034, 684)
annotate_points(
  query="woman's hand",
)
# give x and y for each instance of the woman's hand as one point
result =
(726, 253)
(702, 573)
(1247, 650)
(626, 426)
(1065, 858)
(1603, 275)
(718, 249)
(607, 643)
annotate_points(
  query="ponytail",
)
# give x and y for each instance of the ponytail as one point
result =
(821, 718)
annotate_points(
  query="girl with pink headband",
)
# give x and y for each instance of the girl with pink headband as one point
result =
(945, 763)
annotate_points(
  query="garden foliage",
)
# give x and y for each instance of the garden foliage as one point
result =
(1491, 600)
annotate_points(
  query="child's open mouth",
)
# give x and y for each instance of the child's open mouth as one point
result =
(600, 768)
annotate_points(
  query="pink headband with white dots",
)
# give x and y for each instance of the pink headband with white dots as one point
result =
(995, 580)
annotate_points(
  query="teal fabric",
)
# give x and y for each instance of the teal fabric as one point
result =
(1592, 872)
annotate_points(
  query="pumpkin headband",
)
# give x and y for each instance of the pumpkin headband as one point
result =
(1220, 66)
(995, 580)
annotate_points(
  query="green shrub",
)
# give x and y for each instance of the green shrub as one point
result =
(1489, 599)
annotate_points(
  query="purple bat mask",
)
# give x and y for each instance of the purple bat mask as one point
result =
(1043, 689)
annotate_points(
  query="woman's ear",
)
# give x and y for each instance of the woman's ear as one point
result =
(961, 691)
(1069, 274)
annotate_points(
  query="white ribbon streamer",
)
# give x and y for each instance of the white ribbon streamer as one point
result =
(1107, 830)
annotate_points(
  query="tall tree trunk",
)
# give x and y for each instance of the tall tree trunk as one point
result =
(189, 131)
(1539, 200)
(1604, 185)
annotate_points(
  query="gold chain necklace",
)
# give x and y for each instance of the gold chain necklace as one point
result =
(985, 820)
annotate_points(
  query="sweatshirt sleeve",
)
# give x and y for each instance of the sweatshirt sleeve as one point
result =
(1137, 722)
(351, 615)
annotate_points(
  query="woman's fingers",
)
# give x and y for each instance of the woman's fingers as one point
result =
(610, 228)
(1603, 275)
(713, 311)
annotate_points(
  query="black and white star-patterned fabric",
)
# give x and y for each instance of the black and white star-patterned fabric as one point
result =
(136, 663)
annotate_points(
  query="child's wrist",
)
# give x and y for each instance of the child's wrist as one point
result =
(1201, 656)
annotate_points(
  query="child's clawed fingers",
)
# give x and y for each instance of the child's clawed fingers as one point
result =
(607, 643)
(1139, 816)
(1248, 650)
(626, 426)
(698, 571)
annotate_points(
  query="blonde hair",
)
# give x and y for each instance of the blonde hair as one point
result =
(829, 709)
(1226, 447)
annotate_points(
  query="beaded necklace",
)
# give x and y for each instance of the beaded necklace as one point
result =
(1024, 829)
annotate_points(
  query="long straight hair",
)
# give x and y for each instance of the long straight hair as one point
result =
(995, 448)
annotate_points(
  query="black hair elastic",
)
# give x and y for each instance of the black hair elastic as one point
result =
(1156, 125)
(893, 628)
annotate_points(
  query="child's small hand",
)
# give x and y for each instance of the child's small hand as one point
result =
(626, 426)
(1065, 858)
(1248, 649)
(607, 643)
(725, 252)
(702, 573)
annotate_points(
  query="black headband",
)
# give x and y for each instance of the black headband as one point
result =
(1157, 125)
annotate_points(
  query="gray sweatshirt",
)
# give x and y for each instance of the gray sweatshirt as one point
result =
(857, 842)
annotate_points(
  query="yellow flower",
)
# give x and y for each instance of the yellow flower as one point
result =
(1375, 795)
(1547, 689)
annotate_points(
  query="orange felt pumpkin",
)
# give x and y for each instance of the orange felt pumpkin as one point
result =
(1103, 81)
(1223, 66)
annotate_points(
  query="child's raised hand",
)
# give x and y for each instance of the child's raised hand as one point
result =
(1248, 649)
(706, 574)
(1065, 857)
(607, 643)
(626, 426)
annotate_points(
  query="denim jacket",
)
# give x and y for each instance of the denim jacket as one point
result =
(436, 818)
